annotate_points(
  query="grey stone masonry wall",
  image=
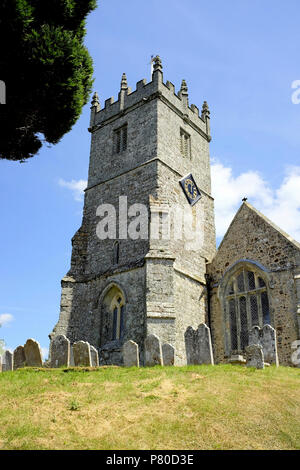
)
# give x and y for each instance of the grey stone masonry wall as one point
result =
(265, 337)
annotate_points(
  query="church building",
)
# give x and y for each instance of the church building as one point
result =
(144, 259)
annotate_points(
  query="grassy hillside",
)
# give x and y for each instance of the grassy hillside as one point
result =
(194, 407)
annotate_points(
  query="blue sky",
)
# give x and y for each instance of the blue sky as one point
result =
(241, 56)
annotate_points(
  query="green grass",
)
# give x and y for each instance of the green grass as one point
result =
(193, 407)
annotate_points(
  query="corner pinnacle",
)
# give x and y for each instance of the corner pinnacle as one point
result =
(157, 64)
(95, 100)
(184, 88)
(124, 85)
(205, 110)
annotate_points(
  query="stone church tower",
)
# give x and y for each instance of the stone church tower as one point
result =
(139, 258)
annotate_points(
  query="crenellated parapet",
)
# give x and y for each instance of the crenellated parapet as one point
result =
(144, 93)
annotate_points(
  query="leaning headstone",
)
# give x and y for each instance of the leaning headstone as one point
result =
(94, 357)
(254, 335)
(153, 352)
(131, 354)
(82, 354)
(266, 337)
(33, 353)
(269, 345)
(9, 361)
(19, 358)
(255, 356)
(168, 353)
(198, 345)
(60, 351)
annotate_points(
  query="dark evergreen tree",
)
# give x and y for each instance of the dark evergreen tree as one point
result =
(47, 71)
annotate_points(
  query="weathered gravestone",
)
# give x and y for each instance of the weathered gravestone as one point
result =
(190, 347)
(94, 357)
(131, 354)
(19, 357)
(266, 337)
(33, 353)
(82, 354)
(255, 356)
(153, 352)
(168, 353)
(72, 363)
(198, 345)
(0, 363)
(9, 361)
(60, 351)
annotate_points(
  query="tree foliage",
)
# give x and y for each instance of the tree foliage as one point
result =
(47, 71)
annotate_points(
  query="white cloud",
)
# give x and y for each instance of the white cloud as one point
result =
(77, 187)
(45, 353)
(5, 319)
(281, 205)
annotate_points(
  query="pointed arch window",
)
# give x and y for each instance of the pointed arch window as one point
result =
(117, 309)
(246, 305)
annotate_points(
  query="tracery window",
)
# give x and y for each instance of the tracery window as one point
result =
(247, 305)
(117, 308)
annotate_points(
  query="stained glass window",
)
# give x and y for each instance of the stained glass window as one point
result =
(247, 305)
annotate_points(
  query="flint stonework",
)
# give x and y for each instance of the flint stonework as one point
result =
(168, 353)
(60, 351)
(153, 352)
(131, 354)
(33, 353)
(82, 354)
(198, 345)
(94, 357)
(255, 356)
(19, 358)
